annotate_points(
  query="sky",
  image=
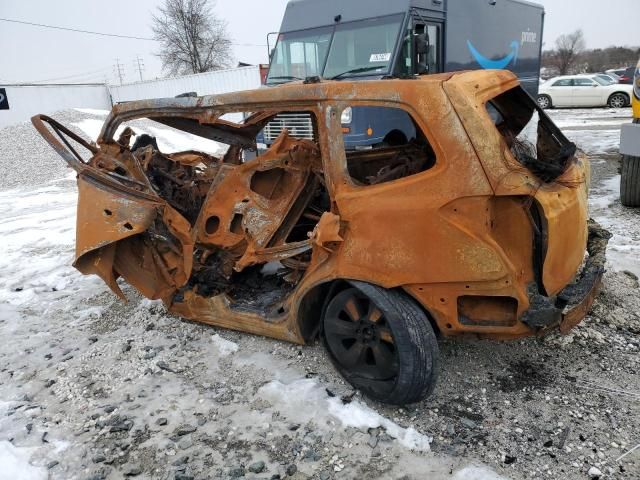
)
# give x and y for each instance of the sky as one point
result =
(30, 54)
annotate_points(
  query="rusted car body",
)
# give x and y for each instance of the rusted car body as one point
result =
(475, 238)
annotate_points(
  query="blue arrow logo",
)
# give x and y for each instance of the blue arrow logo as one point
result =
(495, 64)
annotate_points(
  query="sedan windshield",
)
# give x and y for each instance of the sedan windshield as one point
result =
(364, 47)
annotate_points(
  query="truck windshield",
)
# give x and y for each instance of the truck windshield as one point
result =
(360, 48)
(299, 55)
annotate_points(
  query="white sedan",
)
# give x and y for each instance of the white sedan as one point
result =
(583, 91)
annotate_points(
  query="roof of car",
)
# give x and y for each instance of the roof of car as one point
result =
(299, 93)
(577, 75)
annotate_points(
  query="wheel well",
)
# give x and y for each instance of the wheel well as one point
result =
(312, 307)
(395, 138)
(315, 301)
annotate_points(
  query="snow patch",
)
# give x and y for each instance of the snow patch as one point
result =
(305, 400)
(169, 140)
(623, 252)
(91, 312)
(37, 227)
(225, 347)
(93, 111)
(14, 464)
(476, 473)
(92, 128)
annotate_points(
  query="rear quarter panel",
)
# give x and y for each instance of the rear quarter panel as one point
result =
(563, 201)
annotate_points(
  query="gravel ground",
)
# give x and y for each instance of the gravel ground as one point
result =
(94, 388)
(26, 159)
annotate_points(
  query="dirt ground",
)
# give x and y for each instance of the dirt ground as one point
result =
(91, 388)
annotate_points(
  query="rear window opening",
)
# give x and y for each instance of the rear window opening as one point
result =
(383, 144)
(534, 140)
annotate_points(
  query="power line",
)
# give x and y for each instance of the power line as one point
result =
(107, 34)
(88, 74)
(75, 30)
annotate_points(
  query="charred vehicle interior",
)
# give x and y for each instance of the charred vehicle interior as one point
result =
(477, 224)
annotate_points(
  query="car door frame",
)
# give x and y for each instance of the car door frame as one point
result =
(587, 95)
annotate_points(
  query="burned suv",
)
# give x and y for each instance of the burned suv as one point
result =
(474, 223)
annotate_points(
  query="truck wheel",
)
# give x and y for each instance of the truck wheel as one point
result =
(544, 101)
(382, 343)
(618, 100)
(630, 181)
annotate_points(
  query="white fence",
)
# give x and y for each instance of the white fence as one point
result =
(27, 100)
(210, 83)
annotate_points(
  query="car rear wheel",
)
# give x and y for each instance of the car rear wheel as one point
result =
(544, 101)
(618, 100)
(630, 181)
(382, 343)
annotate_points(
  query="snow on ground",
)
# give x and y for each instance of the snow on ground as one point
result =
(476, 473)
(225, 347)
(306, 399)
(93, 111)
(14, 464)
(169, 139)
(623, 252)
(597, 132)
(37, 228)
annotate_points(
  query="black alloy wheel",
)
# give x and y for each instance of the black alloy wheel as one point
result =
(382, 343)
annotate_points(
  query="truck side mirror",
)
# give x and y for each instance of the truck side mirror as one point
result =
(422, 44)
(422, 48)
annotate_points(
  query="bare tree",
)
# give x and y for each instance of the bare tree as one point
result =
(595, 60)
(192, 39)
(567, 51)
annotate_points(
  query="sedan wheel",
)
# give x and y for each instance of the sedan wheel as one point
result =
(544, 101)
(382, 343)
(618, 100)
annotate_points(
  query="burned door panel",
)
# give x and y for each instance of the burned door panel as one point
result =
(247, 204)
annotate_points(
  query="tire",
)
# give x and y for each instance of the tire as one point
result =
(544, 102)
(618, 100)
(390, 351)
(630, 181)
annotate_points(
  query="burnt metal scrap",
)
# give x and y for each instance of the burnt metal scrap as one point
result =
(479, 231)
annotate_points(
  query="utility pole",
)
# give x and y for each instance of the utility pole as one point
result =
(119, 70)
(139, 65)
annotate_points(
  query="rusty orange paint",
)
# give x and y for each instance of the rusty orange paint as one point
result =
(450, 236)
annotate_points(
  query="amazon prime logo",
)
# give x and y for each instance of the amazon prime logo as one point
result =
(529, 37)
(4, 102)
(497, 64)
